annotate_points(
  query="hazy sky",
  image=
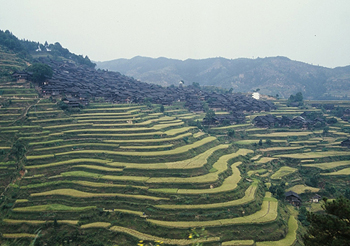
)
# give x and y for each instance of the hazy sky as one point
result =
(312, 31)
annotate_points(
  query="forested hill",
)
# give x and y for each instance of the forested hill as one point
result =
(272, 75)
(30, 50)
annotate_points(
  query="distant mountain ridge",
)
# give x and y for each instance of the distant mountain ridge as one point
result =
(272, 75)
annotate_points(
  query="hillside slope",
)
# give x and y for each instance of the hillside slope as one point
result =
(272, 75)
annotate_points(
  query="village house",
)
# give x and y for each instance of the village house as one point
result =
(293, 198)
(316, 198)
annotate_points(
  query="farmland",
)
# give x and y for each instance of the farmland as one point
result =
(135, 173)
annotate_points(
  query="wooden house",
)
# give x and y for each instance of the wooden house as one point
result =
(293, 198)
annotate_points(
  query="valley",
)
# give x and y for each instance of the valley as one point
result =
(92, 157)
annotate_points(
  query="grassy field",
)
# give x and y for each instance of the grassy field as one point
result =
(148, 147)
(196, 162)
(328, 165)
(220, 166)
(96, 225)
(100, 176)
(229, 184)
(253, 141)
(18, 235)
(248, 197)
(280, 149)
(39, 222)
(264, 160)
(345, 171)
(181, 136)
(78, 145)
(176, 131)
(313, 155)
(290, 237)
(143, 236)
(267, 214)
(258, 171)
(177, 151)
(52, 207)
(299, 189)
(79, 182)
(282, 134)
(238, 243)
(100, 168)
(283, 171)
(121, 171)
(72, 161)
(81, 194)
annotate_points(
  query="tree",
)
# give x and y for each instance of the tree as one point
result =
(299, 97)
(231, 133)
(325, 130)
(278, 190)
(40, 71)
(347, 193)
(209, 118)
(302, 216)
(331, 228)
(296, 100)
(162, 108)
(196, 85)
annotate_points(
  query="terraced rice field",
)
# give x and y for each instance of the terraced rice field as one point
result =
(283, 171)
(122, 165)
(267, 214)
(342, 172)
(313, 155)
(290, 237)
(299, 189)
(328, 165)
(132, 172)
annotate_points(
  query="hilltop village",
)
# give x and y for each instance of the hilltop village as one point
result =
(93, 157)
(79, 82)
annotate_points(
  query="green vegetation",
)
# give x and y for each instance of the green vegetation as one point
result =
(96, 225)
(38, 222)
(283, 171)
(129, 172)
(345, 171)
(295, 101)
(328, 165)
(144, 236)
(249, 197)
(267, 213)
(331, 228)
(299, 189)
(314, 155)
(77, 193)
(52, 207)
(290, 237)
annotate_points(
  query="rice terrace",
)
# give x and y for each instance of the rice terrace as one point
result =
(81, 165)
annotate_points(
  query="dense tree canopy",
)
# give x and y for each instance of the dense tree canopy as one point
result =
(40, 72)
(331, 228)
(296, 100)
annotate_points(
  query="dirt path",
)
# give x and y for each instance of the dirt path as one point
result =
(26, 111)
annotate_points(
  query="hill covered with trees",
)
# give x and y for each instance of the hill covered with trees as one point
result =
(94, 157)
(272, 75)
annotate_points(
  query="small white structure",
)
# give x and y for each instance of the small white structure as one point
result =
(316, 198)
(181, 83)
(256, 95)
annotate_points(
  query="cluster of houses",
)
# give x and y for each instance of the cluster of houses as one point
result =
(295, 200)
(78, 83)
(302, 121)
